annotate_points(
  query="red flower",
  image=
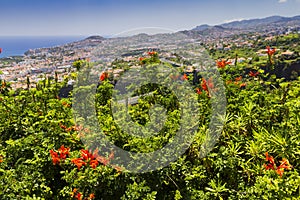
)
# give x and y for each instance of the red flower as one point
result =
(55, 157)
(141, 58)
(63, 152)
(243, 85)
(222, 64)
(210, 83)
(198, 91)
(271, 164)
(103, 76)
(279, 171)
(62, 126)
(66, 104)
(184, 77)
(151, 53)
(270, 158)
(92, 196)
(94, 163)
(270, 51)
(238, 78)
(78, 196)
(78, 162)
(73, 192)
(103, 160)
(228, 82)
(204, 85)
(284, 164)
(86, 155)
(252, 74)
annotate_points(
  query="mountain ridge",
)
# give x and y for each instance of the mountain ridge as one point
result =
(250, 23)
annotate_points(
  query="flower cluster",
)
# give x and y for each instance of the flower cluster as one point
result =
(284, 164)
(86, 158)
(91, 159)
(183, 77)
(270, 51)
(79, 196)
(238, 82)
(152, 53)
(103, 76)
(222, 64)
(253, 74)
(65, 104)
(205, 85)
(72, 128)
(60, 155)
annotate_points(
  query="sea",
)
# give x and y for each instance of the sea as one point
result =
(18, 45)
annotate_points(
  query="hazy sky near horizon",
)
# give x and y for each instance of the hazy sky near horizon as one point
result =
(108, 17)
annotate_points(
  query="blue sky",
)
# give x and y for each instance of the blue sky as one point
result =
(107, 17)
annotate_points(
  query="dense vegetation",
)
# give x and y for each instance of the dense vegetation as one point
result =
(256, 157)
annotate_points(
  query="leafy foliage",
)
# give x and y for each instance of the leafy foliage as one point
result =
(263, 115)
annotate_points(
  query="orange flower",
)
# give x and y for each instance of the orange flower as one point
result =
(103, 160)
(270, 51)
(86, 155)
(77, 127)
(78, 196)
(243, 85)
(284, 164)
(141, 58)
(63, 152)
(238, 78)
(103, 76)
(119, 169)
(222, 64)
(73, 192)
(94, 163)
(66, 104)
(62, 126)
(228, 82)
(253, 74)
(279, 171)
(184, 77)
(151, 53)
(92, 196)
(78, 162)
(210, 83)
(55, 157)
(271, 164)
(204, 85)
(198, 91)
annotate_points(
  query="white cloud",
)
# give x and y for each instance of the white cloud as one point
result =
(282, 1)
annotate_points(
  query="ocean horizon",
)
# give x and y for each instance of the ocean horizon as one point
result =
(18, 45)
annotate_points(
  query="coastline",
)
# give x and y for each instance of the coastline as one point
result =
(18, 45)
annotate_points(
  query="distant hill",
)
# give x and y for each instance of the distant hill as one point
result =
(254, 23)
(95, 37)
(245, 24)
